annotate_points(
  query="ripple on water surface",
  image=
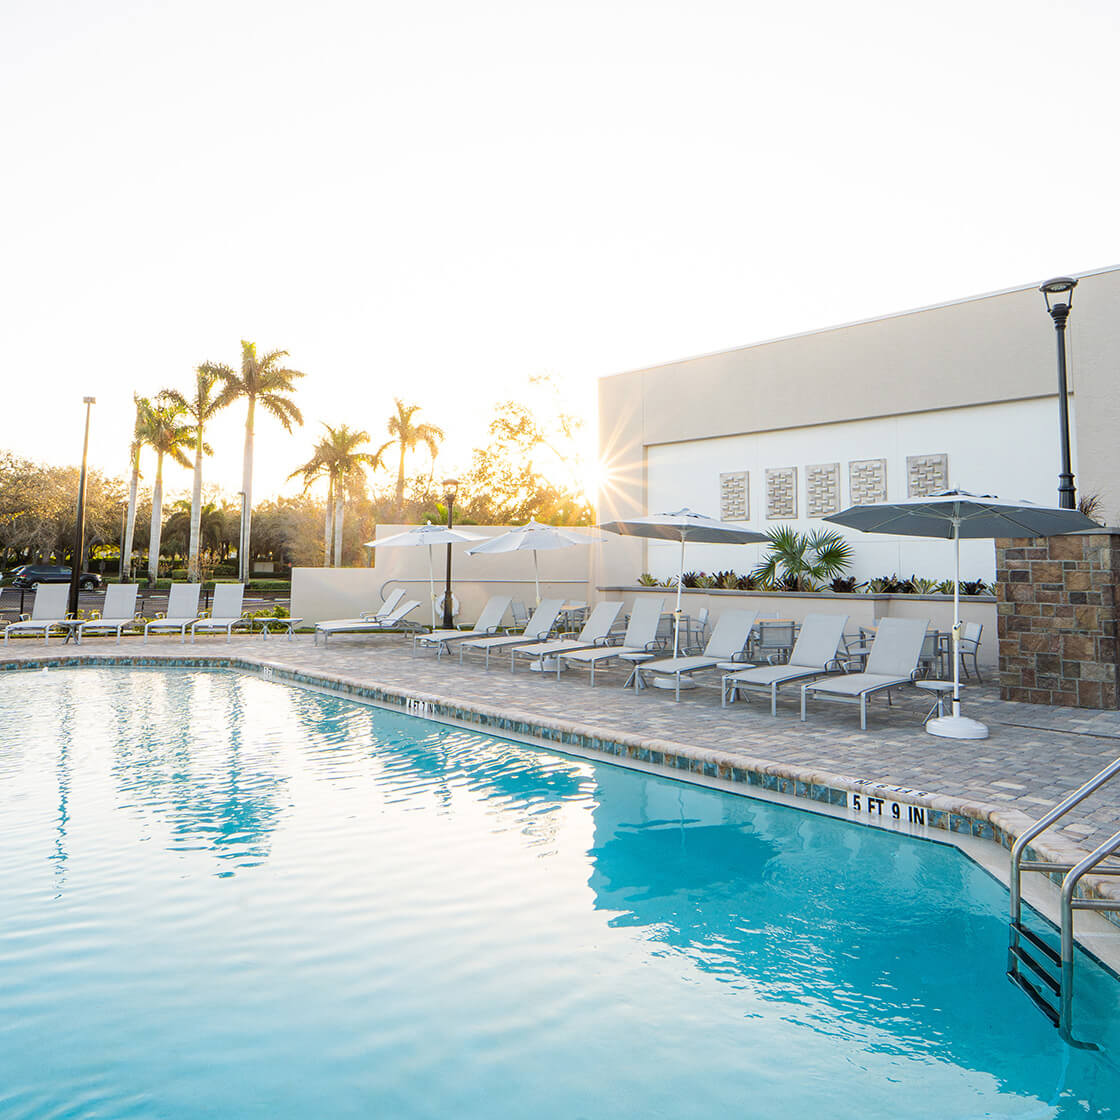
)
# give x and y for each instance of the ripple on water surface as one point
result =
(227, 898)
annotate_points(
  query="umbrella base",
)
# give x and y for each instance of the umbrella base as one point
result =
(957, 727)
(671, 684)
(544, 665)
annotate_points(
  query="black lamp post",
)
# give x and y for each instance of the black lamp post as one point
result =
(1059, 300)
(450, 488)
(80, 532)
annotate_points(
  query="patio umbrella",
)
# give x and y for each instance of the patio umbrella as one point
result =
(683, 526)
(953, 515)
(533, 537)
(429, 535)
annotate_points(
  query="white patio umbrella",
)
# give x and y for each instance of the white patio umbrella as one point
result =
(430, 535)
(683, 526)
(953, 515)
(534, 537)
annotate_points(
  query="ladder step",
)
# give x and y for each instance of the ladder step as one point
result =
(1036, 967)
(1020, 981)
(1037, 942)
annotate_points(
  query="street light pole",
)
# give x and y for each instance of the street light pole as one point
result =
(80, 531)
(450, 486)
(1059, 301)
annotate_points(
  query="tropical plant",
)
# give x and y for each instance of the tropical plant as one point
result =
(205, 401)
(921, 586)
(647, 580)
(974, 587)
(169, 436)
(1090, 505)
(140, 431)
(799, 561)
(264, 380)
(845, 585)
(407, 436)
(945, 587)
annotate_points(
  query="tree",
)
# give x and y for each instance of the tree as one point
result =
(140, 431)
(798, 561)
(337, 456)
(203, 404)
(264, 380)
(408, 436)
(318, 466)
(169, 435)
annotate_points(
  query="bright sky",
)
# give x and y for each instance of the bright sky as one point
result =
(437, 199)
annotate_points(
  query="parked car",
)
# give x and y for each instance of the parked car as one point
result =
(31, 575)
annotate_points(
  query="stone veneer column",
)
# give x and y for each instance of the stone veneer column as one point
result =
(1057, 613)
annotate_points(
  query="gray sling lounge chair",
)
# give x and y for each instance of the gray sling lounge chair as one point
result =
(118, 612)
(487, 625)
(728, 640)
(596, 630)
(48, 612)
(396, 619)
(182, 610)
(814, 654)
(225, 611)
(391, 601)
(539, 626)
(893, 661)
(639, 639)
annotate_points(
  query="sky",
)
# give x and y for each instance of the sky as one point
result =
(436, 200)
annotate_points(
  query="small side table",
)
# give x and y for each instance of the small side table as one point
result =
(940, 690)
(281, 624)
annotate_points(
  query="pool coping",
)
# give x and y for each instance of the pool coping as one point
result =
(997, 824)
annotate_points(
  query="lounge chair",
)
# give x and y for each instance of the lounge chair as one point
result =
(539, 626)
(814, 654)
(48, 612)
(640, 638)
(488, 623)
(182, 610)
(893, 661)
(596, 630)
(729, 639)
(396, 619)
(225, 611)
(118, 612)
(386, 608)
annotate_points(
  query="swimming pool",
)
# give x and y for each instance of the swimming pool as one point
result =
(224, 897)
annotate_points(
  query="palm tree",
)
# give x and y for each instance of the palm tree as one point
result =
(408, 437)
(168, 435)
(337, 456)
(140, 434)
(201, 407)
(797, 561)
(265, 380)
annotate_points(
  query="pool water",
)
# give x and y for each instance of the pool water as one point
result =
(221, 897)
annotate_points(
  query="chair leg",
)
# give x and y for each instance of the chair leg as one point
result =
(773, 699)
(863, 711)
(804, 692)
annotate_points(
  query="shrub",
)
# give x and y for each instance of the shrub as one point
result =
(845, 584)
(646, 580)
(799, 561)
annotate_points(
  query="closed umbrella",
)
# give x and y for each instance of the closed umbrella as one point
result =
(683, 526)
(954, 515)
(533, 537)
(430, 535)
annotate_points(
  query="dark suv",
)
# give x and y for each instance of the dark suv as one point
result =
(31, 574)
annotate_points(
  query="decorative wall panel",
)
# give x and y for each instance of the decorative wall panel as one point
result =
(926, 474)
(822, 489)
(735, 496)
(867, 481)
(781, 492)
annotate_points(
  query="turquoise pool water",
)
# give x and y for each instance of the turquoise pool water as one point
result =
(225, 898)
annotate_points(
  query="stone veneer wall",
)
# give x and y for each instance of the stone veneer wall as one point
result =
(1057, 613)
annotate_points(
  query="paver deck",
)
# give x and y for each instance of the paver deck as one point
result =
(1034, 755)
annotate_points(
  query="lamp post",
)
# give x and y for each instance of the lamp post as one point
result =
(80, 531)
(450, 488)
(1059, 300)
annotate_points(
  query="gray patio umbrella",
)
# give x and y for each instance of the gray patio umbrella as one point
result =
(683, 526)
(429, 535)
(533, 537)
(953, 515)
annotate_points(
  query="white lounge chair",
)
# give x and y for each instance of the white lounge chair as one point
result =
(815, 653)
(640, 638)
(488, 623)
(387, 607)
(539, 626)
(118, 612)
(596, 630)
(893, 661)
(48, 612)
(728, 640)
(225, 611)
(396, 619)
(182, 610)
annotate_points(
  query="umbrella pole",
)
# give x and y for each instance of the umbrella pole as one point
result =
(537, 576)
(432, 586)
(957, 619)
(677, 613)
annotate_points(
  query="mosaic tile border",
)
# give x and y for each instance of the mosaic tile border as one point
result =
(976, 819)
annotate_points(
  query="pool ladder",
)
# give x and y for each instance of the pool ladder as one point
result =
(1044, 973)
